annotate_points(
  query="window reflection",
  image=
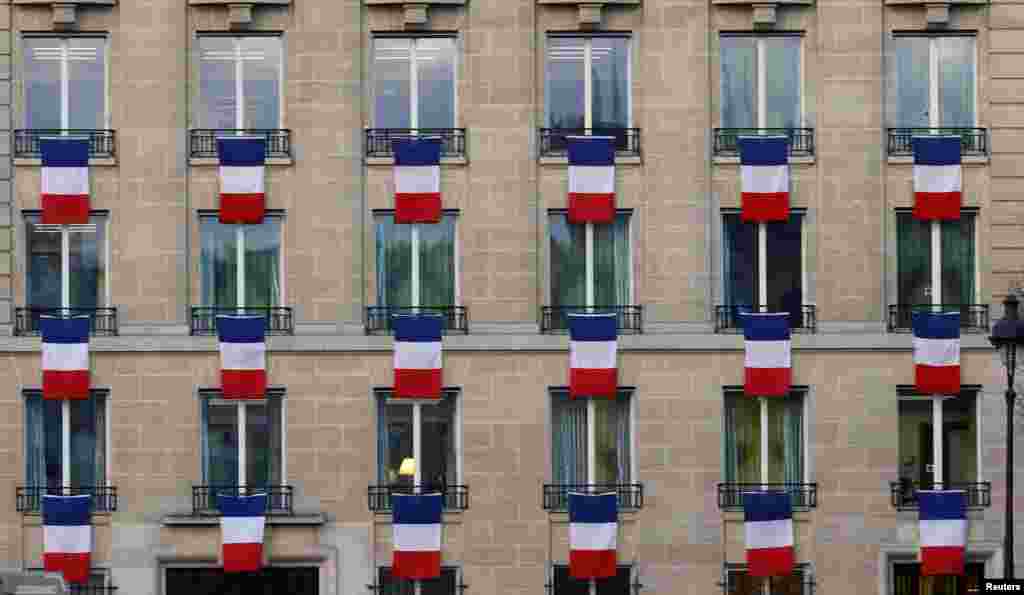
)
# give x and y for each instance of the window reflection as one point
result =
(256, 101)
(83, 59)
(397, 103)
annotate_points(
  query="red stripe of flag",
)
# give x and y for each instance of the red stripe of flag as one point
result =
(242, 208)
(65, 209)
(942, 560)
(417, 383)
(242, 557)
(75, 567)
(66, 384)
(764, 206)
(937, 380)
(587, 207)
(584, 564)
(418, 207)
(937, 205)
(767, 382)
(593, 382)
(243, 384)
(773, 561)
(416, 565)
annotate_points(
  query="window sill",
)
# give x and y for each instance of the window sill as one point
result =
(99, 519)
(974, 160)
(562, 516)
(93, 161)
(215, 161)
(297, 519)
(798, 160)
(619, 160)
(736, 516)
(391, 160)
(448, 517)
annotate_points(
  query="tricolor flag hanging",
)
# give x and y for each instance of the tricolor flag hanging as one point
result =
(937, 177)
(764, 169)
(593, 535)
(65, 176)
(242, 522)
(593, 355)
(416, 547)
(943, 529)
(65, 357)
(591, 179)
(768, 525)
(242, 197)
(767, 366)
(67, 536)
(243, 356)
(937, 353)
(418, 356)
(417, 180)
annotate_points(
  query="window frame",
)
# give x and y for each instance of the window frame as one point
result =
(413, 39)
(591, 279)
(383, 396)
(760, 77)
(934, 109)
(97, 217)
(761, 267)
(240, 287)
(415, 280)
(800, 391)
(240, 102)
(207, 397)
(804, 570)
(588, 88)
(633, 584)
(908, 393)
(628, 392)
(936, 263)
(64, 81)
(94, 393)
(380, 588)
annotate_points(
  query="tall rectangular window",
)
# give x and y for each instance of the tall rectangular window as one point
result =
(432, 280)
(907, 580)
(438, 444)
(575, 448)
(761, 84)
(587, 82)
(958, 451)
(609, 259)
(65, 82)
(414, 81)
(774, 279)
(918, 280)
(85, 255)
(932, 81)
(222, 246)
(764, 439)
(242, 447)
(446, 584)
(240, 82)
(620, 584)
(45, 437)
(739, 582)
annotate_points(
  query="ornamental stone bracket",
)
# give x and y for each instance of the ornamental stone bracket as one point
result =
(415, 15)
(589, 13)
(936, 14)
(764, 15)
(239, 13)
(64, 13)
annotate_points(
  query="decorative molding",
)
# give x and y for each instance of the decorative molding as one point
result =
(589, 16)
(764, 15)
(937, 15)
(64, 16)
(415, 16)
(239, 16)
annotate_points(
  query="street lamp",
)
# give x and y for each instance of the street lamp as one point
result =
(1007, 335)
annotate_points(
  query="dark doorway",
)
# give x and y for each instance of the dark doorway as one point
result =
(299, 580)
(907, 580)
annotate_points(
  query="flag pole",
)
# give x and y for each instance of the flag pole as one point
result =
(65, 404)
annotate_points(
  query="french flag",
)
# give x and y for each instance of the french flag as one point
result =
(943, 529)
(591, 179)
(67, 536)
(593, 351)
(243, 356)
(65, 177)
(764, 169)
(417, 180)
(242, 521)
(768, 525)
(937, 352)
(937, 177)
(242, 198)
(416, 551)
(418, 356)
(65, 357)
(767, 366)
(593, 535)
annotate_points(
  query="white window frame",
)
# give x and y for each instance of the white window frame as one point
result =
(799, 392)
(240, 287)
(761, 78)
(96, 219)
(64, 57)
(937, 422)
(933, 79)
(762, 257)
(591, 281)
(65, 435)
(630, 393)
(588, 83)
(414, 93)
(237, 58)
(455, 394)
(414, 265)
(935, 291)
(213, 400)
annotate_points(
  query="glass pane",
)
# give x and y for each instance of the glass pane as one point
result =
(738, 80)
(958, 260)
(391, 83)
(222, 440)
(743, 439)
(908, 82)
(443, 585)
(615, 585)
(956, 81)
(569, 439)
(740, 261)
(84, 442)
(564, 83)
(43, 266)
(787, 585)
(611, 440)
(915, 441)
(437, 444)
(218, 103)
(218, 263)
(782, 80)
(437, 263)
(87, 87)
(263, 263)
(609, 71)
(960, 441)
(612, 262)
(785, 271)
(435, 61)
(566, 585)
(785, 440)
(53, 416)
(394, 262)
(398, 420)
(261, 84)
(913, 260)
(741, 583)
(263, 443)
(568, 261)
(42, 82)
(88, 270)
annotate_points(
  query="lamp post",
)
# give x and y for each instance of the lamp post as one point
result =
(1007, 335)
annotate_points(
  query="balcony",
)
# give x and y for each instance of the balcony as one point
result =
(973, 317)
(378, 318)
(801, 140)
(102, 321)
(555, 319)
(973, 141)
(279, 318)
(727, 318)
(202, 142)
(101, 142)
(904, 493)
(804, 496)
(456, 497)
(86, 589)
(204, 498)
(553, 141)
(29, 499)
(630, 496)
(378, 140)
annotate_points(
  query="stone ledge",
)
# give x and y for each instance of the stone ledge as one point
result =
(295, 520)
(403, 2)
(619, 160)
(47, 2)
(735, 516)
(215, 161)
(571, 2)
(909, 160)
(229, 2)
(93, 161)
(801, 160)
(448, 517)
(371, 161)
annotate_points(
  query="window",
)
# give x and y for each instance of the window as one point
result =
(257, 247)
(240, 82)
(243, 443)
(761, 84)
(764, 439)
(591, 265)
(416, 263)
(65, 82)
(931, 81)
(763, 264)
(738, 582)
(66, 270)
(414, 82)
(438, 435)
(72, 454)
(935, 261)
(620, 584)
(587, 82)
(294, 580)
(446, 584)
(907, 580)
(923, 460)
(603, 456)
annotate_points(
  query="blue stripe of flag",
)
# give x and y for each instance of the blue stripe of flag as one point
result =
(766, 327)
(54, 329)
(421, 328)
(942, 505)
(591, 150)
(416, 509)
(593, 508)
(936, 150)
(242, 506)
(66, 510)
(64, 152)
(242, 150)
(936, 325)
(417, 151)
(593, 327)
(241, 329)
(763, 150)
(766, 506)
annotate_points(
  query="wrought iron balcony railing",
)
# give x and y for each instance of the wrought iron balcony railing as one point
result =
(102, 321)
(973, 141)
(204, 498)
(727, 318)
(973, 317)
(101, 142)
(555, 319)
(279, 318)
(553, 143)
(801, 140)
(378, 318)
(456, 497)
(202, 142)
(803, 495)
(29, 499)
(378, 140)
(904, 493)
(630, 496)
(86, 589)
